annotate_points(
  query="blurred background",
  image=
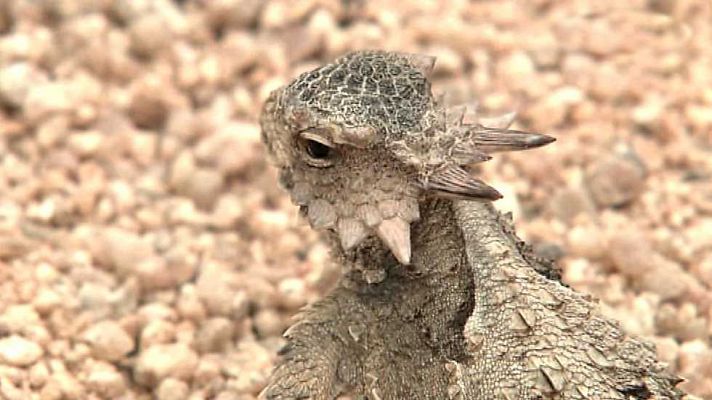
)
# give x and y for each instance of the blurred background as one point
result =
(147, 252)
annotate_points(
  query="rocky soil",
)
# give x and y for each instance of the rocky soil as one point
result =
(147, 252)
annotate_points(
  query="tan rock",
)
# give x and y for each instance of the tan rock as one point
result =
(252, 358)
(228, 211)
(240, 305)
(681, 322)
(189, 305)
(268, 323)
(47, 99)
(122, 249)
(292, 293)
(163, 361)
(649, 112)
(9, 391)
(516, 67)
(209, 369)
(150, 35)
(223, 14)
(233, 147)
(616, 181)
(202, 185)
(106, 382)
(85, 144)
(214, 335)
(586, 241)
(17, 351)
(635, 257)
(38, 374)
(214, 291)
(568, 203)
(703, 270)
(153, 273)
(227, 395)
(18, 317)
(108, 340)
(16, 80)
(695, 363)
(46, 300)
(172, 389)
(51, 391)
(148, 108)
(68, 385)
(157, 332)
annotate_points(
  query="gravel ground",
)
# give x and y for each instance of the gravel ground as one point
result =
(147, 252)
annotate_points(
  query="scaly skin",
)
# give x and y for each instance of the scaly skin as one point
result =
(439, 298)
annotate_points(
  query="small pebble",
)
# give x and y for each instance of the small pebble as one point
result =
(108, 341)
(695, 363)
(148, 109)
(214, 335)
(215, 293)
(569, 203)
(18, 351)
(172, 389)
(68, 385)
(165, 360)
(109, 384)
(634, 257)
(146, 248)
(150, 35)
(156, 332)
(268, 323)
(292, 293)
(16, 80)
(616, 181)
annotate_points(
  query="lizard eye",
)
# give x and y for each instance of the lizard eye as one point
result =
(317, 150)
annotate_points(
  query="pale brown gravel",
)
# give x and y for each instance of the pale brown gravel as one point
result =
(147, 252)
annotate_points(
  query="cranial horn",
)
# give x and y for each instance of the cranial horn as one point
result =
(454, 182)
(466, 153)
(492, 140)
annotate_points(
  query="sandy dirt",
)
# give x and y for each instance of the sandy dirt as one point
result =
(146, 250)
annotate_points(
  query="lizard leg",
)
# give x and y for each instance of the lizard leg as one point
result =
(319, 360)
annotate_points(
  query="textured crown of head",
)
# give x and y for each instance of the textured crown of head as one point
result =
(361, 140)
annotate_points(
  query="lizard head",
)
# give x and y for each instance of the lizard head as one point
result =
(360, 141)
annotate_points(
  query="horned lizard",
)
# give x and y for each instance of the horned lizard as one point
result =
(439, 298)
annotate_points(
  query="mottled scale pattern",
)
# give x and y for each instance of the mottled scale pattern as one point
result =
(370, 88)
(531, 339)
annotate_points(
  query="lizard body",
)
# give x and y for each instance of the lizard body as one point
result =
(439, 300)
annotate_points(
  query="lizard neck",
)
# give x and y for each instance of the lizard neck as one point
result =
(438, 249)
(429, 300)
